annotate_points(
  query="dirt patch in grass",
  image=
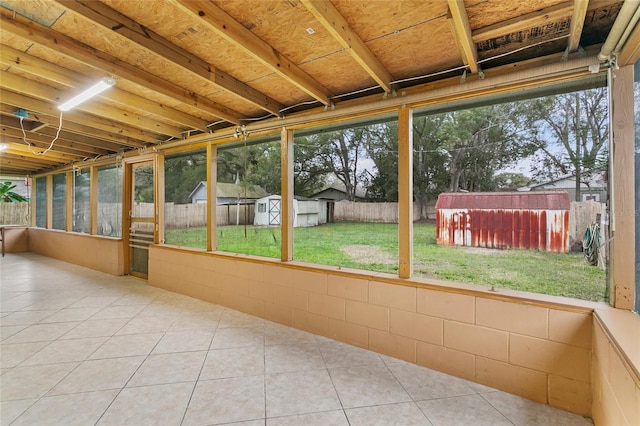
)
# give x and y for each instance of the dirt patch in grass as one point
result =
(369, 254)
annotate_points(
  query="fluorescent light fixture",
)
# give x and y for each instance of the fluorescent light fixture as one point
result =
(92, 91)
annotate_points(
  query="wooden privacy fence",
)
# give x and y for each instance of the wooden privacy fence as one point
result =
(349, 211)
(177, 216)
(15, 214)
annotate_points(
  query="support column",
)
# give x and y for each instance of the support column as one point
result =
(405, 191)
(49, 218)
(159, 198)
(286, 203)
(623, 208)
(68, 222)
(212, 182)
(93, 200)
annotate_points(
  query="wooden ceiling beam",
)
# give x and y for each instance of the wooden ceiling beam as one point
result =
(42, 111)
(42, 91)
(462, 33)
(234, 32)
(108, 64)
(22, 149)
(15, 135)
(529, 20)
(577, 23)
(33, 160)
(331, 19)
(35, 66)
(101, 14)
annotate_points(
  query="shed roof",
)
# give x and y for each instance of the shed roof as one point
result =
(538, 200)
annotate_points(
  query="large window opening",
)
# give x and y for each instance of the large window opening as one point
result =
(81, 203)
(185, 193)
(110, 201)
(515, 195)
(346, 193)
(248, 175)
(59, 214)
(41, 202)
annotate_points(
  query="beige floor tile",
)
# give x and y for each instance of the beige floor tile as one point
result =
(337, 354)
(71, 314)
(11, 410)
(276, 334)
(66, 351)
(234, 362)
(169, 368)
(295, 357)
(13, 354)
(127, 345)
(112, 312)
(238, 337)
(405, 413)
(101, 374)
(326, 418)
(27, 317)
(41, 332)
(461, 410)
(226, 400)
(151, 324)
(7, 331)
(95, 302)
(149, 405)
(365, 386)
(13, 305)
(231, 318)
(52, 303)
(95, 328)
(184, 341)
(197, 321)
(133, 299)
(300, 393)
(523, 412)
(423, 383)
(77, 409)
(33, 381)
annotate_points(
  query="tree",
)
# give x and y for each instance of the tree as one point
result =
(7, 195)
(571, 133)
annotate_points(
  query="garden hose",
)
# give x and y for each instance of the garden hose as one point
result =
(591, 244)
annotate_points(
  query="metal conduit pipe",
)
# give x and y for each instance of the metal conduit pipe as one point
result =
(623, 25)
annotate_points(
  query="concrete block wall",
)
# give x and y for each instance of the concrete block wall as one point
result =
(538, 350)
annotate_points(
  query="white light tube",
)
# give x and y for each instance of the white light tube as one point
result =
(100, 87)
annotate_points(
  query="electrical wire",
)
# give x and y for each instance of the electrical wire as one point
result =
(24, 137)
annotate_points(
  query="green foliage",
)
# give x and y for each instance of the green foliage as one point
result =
(534, 271)
(7, 195)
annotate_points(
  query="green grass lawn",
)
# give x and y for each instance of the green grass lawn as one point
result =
(373, 247)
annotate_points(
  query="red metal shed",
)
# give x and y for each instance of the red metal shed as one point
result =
(528, 220)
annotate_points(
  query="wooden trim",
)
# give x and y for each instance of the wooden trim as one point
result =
(331, 19)
(70, 196)
(630, 53)
(623, 207)
(577, 23)
(405, 191)
(462, 33)
(93, 199)
(34, 206)
(158, 200)
(286, 202)
(212, 183)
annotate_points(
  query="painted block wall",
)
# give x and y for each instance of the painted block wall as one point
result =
(538, 351)
(95, 252)
(15, 239)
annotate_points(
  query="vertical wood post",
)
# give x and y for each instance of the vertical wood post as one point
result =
(69, 196)
(49, 217)
(93, 200)
(405, 191)
(159, 198)
(286, 202)
(623, 208)
(212, 182)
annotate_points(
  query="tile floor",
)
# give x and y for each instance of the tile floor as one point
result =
(82, 347)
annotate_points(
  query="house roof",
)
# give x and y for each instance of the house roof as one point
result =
(193, 71)
(233, 190)
(596, 180)
(340, 187)
(538, 200)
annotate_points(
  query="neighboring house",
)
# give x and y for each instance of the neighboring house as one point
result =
(336, 191)
(228, 193)
(596, 189)
(21, 185)
(268, 211)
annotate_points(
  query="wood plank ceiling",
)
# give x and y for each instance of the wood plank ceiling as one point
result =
(184, 68)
